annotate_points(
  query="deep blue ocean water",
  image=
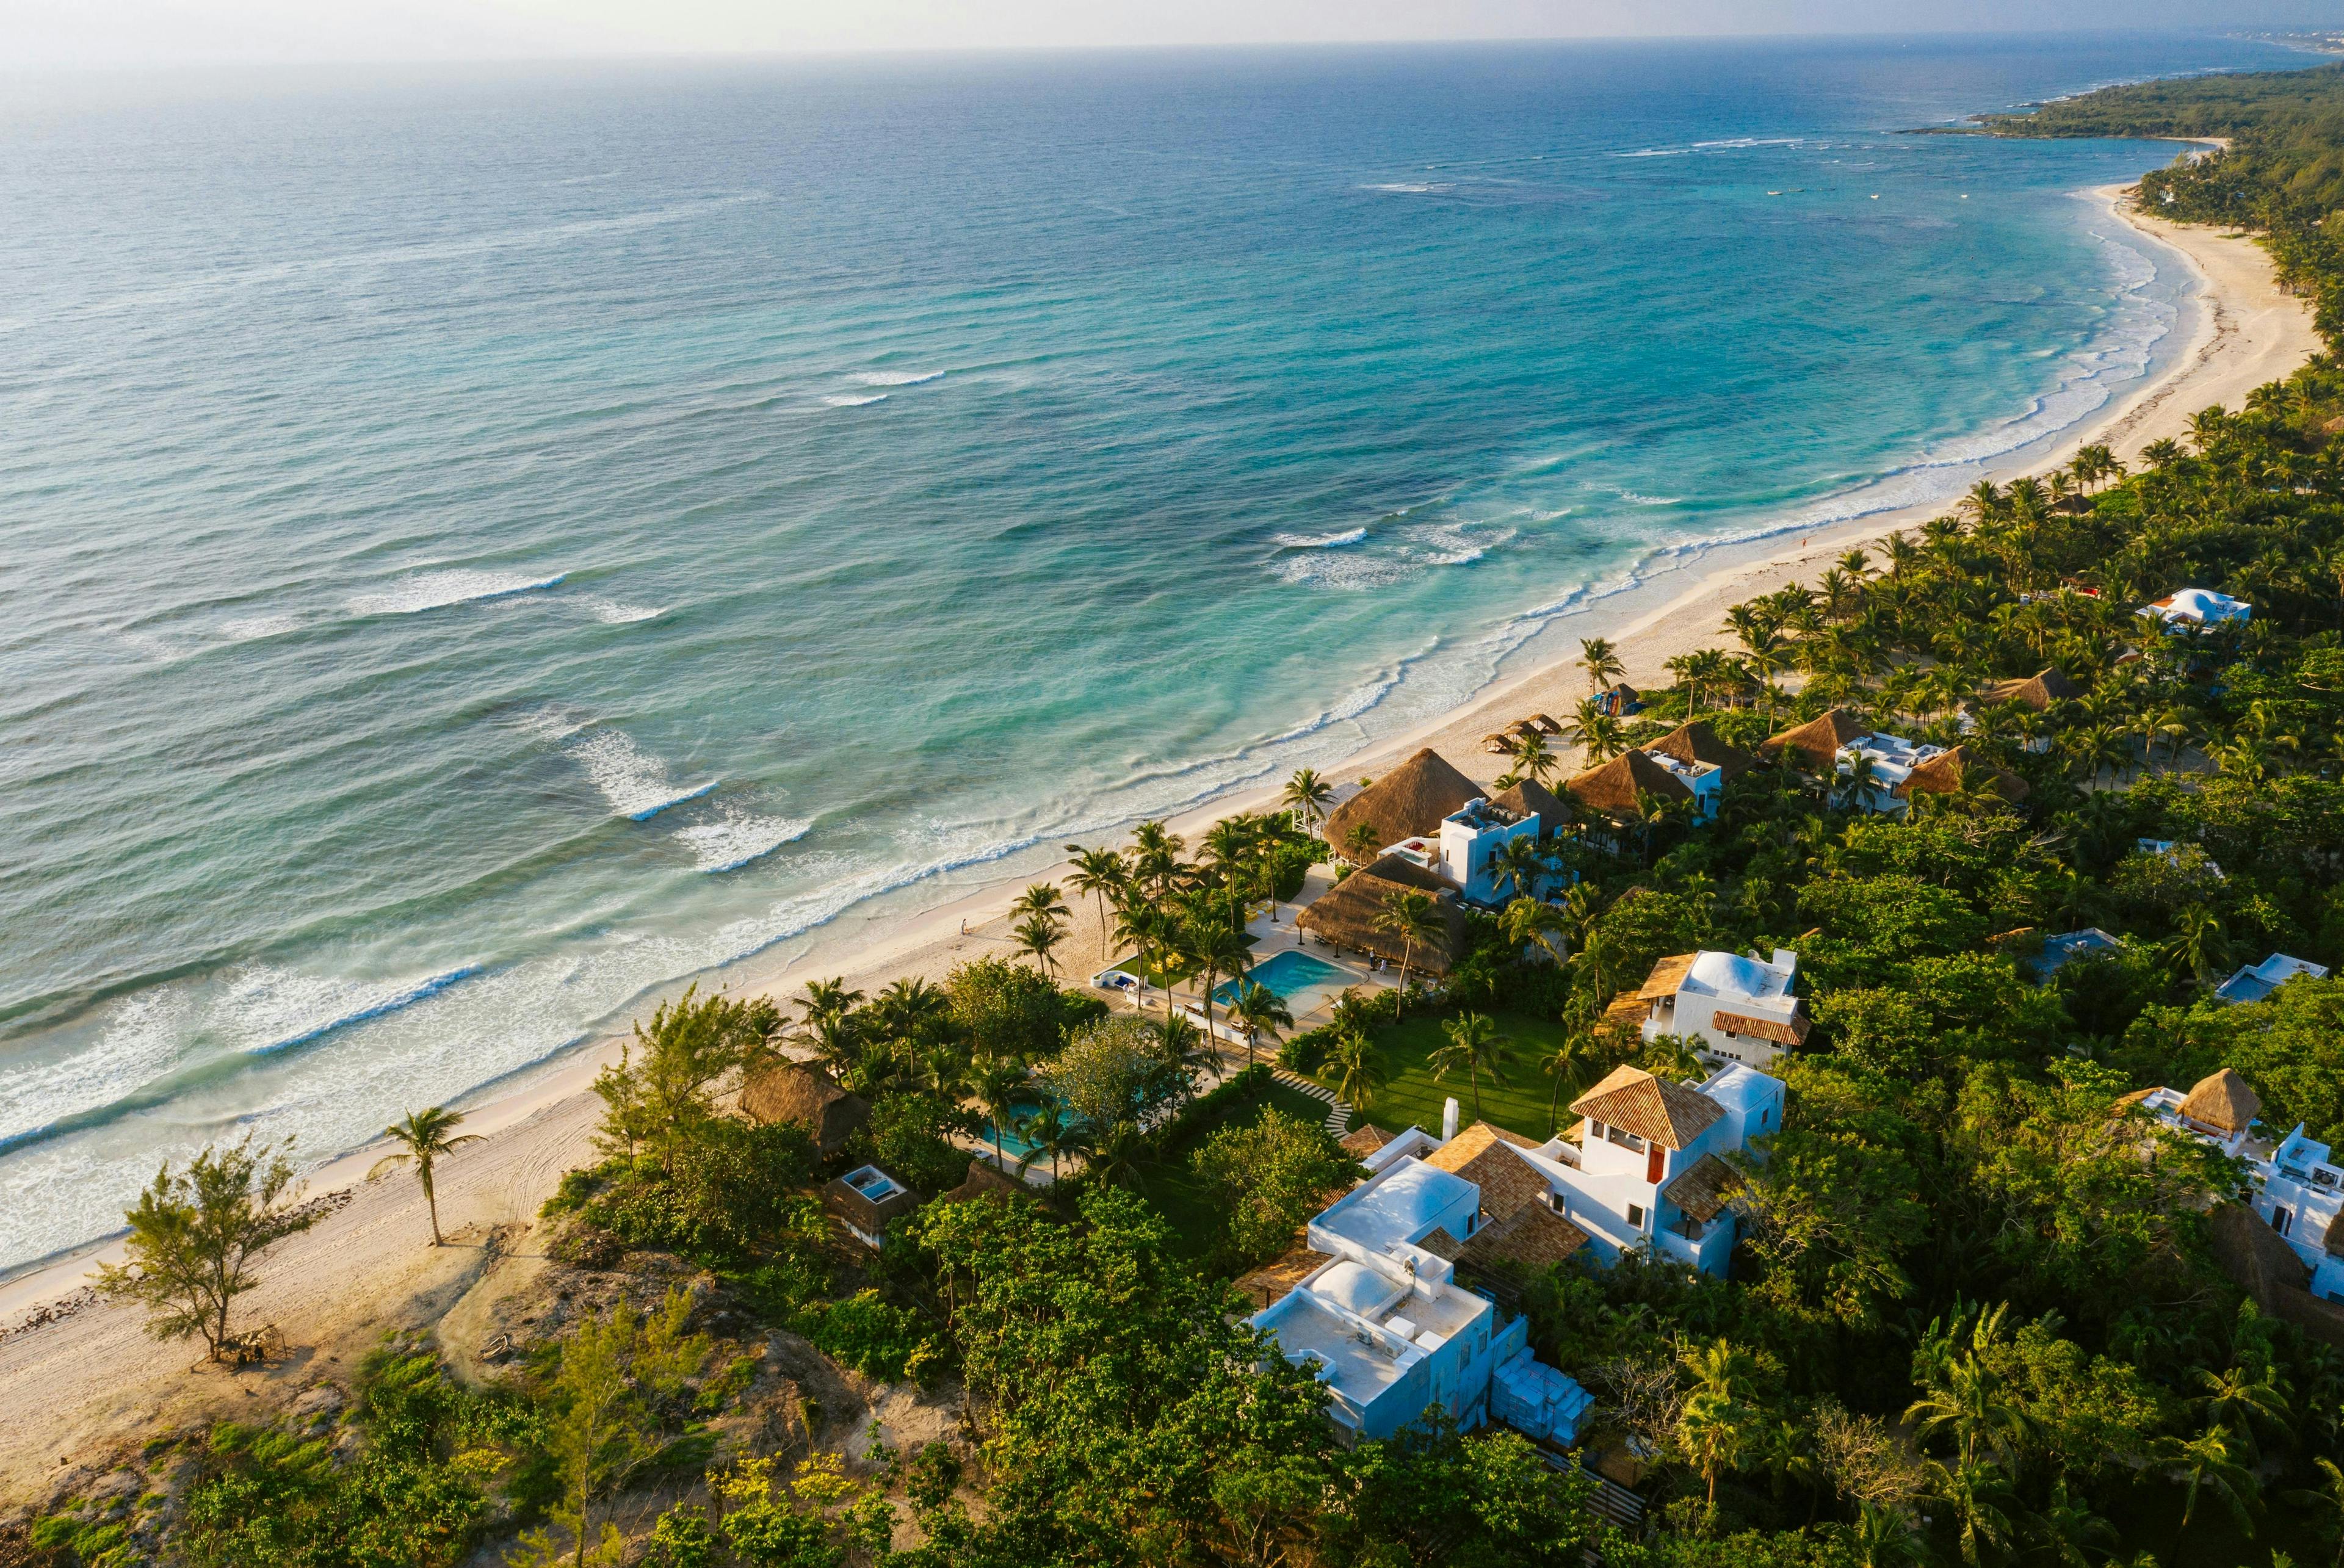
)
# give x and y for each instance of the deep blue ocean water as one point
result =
(483, 545)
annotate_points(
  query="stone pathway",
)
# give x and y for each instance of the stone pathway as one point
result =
(1338, 1112)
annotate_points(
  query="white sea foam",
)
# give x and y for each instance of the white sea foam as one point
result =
(635, 783)
(140, 1042)
(1635, 498)
(281, 1009)
(438, 589)
(1409, 188)
(259, 626)
(1318, 541)
(612, 614)
(898, 377)
(735, 840)
(848, 401)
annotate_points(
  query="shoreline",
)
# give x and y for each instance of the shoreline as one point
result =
(361, 1268)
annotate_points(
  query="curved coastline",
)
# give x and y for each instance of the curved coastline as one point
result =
(2242, 331)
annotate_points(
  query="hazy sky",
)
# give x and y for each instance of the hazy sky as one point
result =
(80, 33)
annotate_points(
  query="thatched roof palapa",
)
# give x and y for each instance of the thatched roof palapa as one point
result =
(1815, 747)
(1665, 1112)
(1529, 797)
(2038, 690)
(1547, 723)
(1612, 788)
(1697, 742)
(1942, 773)
(986, 1179)
(791, 1091)
(1346, 914)
(2224, 1101)
(1406, 803)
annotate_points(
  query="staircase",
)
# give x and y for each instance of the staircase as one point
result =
(1338, 1111)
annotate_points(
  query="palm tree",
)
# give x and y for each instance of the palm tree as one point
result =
(1047, 1129)
(1529, 922)
(2072, 1533)
(1475, 1046)
(1041, 899)
(1881, 1537)
(2198, 943)
(1155, 858)
(2208, 1464)
(2242, 1397)
(1360, 843)
(1573, 1062)
(1187, 1052)
(998, 1090)
(1262, 1011)
(1413, 917)
(1713, 1429)
(1601, 660)
(1228, 846)
(424, 1140)
(1857, 778)
(1221, 951)
(1521, 864)
(1102, 875)
(1359, 1072)
(1533, 760)
(1982, 1501)
(1306, 795)
(1967, 1402)
(1115, 1155)
(1038, 936)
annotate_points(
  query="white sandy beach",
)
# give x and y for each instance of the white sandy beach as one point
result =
(69, 1385)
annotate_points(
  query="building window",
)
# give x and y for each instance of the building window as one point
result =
(2281, 1220)
(1635, 1215)
(1594, 1127)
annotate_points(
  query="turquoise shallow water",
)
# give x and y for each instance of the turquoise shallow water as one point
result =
(481, 547)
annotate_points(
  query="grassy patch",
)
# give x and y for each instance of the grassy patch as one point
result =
(1410, 1094)
(1174, 1190)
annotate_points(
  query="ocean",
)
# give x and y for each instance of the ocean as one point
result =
(481, 546)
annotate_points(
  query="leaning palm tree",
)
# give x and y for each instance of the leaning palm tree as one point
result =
(1476, 1047)
(1306, 795)
(1219, 951)
(424, 1140)
(997, 1091)
(1601, 660)
(1573, 1062)
(1413, 917)
(1101, 875)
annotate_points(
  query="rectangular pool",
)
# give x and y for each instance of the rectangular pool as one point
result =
(1303, 981)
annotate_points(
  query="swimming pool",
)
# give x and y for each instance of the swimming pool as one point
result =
(1302, 981)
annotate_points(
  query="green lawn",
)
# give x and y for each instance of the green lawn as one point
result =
(1174, 1190)
(1410, 1095)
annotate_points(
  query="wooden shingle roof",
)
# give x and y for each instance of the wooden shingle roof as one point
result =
(1702, 1191)
(1534, 1236)
(1667, 1113)
(1666, 977)
(1482, 1155)
(1364, 1141)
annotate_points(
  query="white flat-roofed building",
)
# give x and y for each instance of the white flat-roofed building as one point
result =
(1734, 1009)
(1465, 852)
(2202, 606)
(2258, 981)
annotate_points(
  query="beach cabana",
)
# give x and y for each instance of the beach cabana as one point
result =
(1547, 723)
(1410, 802)
(2037, 691)
(1612, 790)
(1696, 742)
(1346, 914)
(1814, 748)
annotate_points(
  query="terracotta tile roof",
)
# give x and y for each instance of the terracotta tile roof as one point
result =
(1625, 1016)
(1612, 788)
(1941, 773)
(2037, 691)
(1670, 1114)
(1697, 742)
(1774, 1029)
(1533, 1236)
(2223, 1100)
(1274, 1279)
(1702, 1191)
(790, 1091)
(1409, 802)
(1816, 745)
(1666, 977)
(1364, 1141)
(1480, 1155)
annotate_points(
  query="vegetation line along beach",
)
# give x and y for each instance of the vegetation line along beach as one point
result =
(1840, 1070)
